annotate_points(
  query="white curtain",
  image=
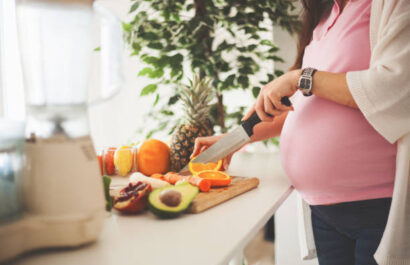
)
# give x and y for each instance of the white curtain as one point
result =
(11, 80)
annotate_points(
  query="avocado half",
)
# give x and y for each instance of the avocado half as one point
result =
(188, 193)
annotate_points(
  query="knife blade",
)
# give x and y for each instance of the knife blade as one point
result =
(231, 141)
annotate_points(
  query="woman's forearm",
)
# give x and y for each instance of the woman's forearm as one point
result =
(265, 130)
(333, 86)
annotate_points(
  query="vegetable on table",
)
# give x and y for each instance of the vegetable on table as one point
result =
(154, 182)
(203, 184)
(108, 199)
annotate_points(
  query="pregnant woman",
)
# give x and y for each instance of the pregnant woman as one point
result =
(351, 104)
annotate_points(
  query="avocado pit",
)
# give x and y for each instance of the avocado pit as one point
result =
(171, 198)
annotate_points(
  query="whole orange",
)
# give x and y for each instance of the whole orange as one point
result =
(153, 157)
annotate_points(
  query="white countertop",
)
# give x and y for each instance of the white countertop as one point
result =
(209, 238)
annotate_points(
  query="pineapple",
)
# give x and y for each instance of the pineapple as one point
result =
(195, 99)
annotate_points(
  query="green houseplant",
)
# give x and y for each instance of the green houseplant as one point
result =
(225, 40)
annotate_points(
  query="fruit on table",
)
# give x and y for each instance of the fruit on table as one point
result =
(169, 202)
(203, 184)
(109, 161)
(153, 157)
(155, 183)
(217, 178)
(196, 100)
(171, 198)
(133, 198)
(123, 160)
(195, 168)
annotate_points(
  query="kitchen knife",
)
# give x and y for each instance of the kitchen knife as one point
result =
(232, 141)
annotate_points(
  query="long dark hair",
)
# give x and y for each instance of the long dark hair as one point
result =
(313, 10)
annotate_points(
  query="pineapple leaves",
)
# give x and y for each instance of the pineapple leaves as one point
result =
(196, 98)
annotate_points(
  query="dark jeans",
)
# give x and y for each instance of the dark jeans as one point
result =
(349, 233)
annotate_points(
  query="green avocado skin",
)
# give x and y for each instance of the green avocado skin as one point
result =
(157, 207)
(164, 214)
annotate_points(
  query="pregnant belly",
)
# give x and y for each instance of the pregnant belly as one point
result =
(329, 150)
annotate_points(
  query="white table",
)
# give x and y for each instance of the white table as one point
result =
(216, 236)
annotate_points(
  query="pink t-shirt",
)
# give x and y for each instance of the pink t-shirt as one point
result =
(330, 152)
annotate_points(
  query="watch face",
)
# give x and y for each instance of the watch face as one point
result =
(304, 83)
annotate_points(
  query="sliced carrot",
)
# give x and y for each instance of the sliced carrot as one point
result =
(204, 185)
(173, 178)
(158, 176)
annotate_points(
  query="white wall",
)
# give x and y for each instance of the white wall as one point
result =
(114, 122)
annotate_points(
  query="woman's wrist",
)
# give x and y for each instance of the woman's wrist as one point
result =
(294, 78)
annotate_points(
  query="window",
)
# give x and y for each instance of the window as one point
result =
(11, 80)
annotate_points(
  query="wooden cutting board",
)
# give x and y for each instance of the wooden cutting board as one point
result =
(204, 200)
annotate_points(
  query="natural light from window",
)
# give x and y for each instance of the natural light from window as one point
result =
(11, 81)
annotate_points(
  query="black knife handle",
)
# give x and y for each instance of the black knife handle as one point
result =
(254, 119)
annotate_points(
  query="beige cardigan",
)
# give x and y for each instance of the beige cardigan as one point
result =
(382, 93)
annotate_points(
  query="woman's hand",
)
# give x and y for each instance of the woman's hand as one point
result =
(202, 143)
(269, 99)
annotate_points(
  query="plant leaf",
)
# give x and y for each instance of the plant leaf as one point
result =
(134, 6)
(149, 89)
(156, 100)
(145, 71)
(172, 100)
(157, 73)
(126, 27)
(155, 45)
(278, 73)
(255, 91)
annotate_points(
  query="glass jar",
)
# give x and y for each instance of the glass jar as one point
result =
(11, 168)
(118, 161)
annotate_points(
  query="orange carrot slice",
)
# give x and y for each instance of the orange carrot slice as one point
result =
(158, 176)
(204, 185)
(173, 178)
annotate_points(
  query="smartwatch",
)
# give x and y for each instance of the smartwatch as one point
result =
(305, 83)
